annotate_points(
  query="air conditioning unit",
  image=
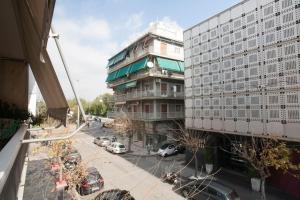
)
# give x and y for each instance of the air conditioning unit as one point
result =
(158, 80)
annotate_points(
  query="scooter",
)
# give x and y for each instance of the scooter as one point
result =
(170, 177)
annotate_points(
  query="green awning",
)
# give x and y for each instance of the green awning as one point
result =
(181, 66)
(126, 85)
(139, 65)
(123, 71)
(117, 58)
(171, 65)
(111, 76)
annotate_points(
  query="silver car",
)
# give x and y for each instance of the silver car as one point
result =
(167, 150)
(102, 141)
(116, 147)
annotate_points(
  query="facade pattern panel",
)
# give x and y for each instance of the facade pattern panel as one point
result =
(249, 68)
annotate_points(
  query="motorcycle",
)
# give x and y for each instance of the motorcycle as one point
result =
(170, 177)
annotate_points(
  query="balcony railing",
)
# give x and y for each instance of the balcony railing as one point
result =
(147, 116)
(154, 72)
(138, 94)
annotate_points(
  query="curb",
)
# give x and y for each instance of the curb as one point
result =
(141, 155)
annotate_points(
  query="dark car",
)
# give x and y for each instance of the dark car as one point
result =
(71, 159)
(72, 152)
(114, 194)
(205, 189)
(91, 183)
(179, 148)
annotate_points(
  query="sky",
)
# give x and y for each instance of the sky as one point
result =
(91, 31)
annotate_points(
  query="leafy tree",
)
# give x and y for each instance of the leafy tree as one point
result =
(263, 153)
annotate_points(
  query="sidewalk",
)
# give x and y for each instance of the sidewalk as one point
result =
(137, 150)
(241, 185)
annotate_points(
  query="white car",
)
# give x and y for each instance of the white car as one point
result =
(116, 147)
(105, 142)
(102, 141)
(167, 150)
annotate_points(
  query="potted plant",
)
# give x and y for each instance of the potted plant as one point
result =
(255, 179)
(208, 157)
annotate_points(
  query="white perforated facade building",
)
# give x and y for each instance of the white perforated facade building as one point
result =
(242, 70)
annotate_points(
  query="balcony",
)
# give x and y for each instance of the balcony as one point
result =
(149, 72)
(147, 116)
(149, 94)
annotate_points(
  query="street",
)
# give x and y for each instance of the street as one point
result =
(121, 173)
(135, 171)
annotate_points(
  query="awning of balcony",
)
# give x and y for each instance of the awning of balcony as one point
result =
(23, 42)
(127, 85)
(123, 71)
(168, 64)
(111, 76)
(117, 58)
(138, 65)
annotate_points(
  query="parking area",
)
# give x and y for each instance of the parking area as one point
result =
(136, 171)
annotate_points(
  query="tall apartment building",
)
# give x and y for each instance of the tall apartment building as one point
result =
(242, 72)
(147, 78)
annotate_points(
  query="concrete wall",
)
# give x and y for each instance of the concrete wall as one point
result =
(14, 83)
(12, 166)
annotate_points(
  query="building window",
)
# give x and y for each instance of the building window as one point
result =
(163, 48)
(178, 108)
(178, 88)
(135, 108)
(147, 108)
(177, 50)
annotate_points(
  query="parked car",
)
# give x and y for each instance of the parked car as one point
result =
(114, 194)
(91, 183)
(67, 152)
(167, 149)
(205, 189)
(71, 159)
(97, 141)
(107, 124)
(116, 147)
(179, 148)
(102, 141)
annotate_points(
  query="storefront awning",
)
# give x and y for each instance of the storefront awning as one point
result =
(168, 64)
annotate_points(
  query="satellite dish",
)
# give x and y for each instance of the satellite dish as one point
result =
(150, 64)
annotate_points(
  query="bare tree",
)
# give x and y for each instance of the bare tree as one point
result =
(193, 140)
(263, 153)
(127, 127)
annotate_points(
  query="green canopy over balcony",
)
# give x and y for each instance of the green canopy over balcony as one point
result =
(123, 71)
(139, 65)
(111, 76)
(168, 64)
(127, 85)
